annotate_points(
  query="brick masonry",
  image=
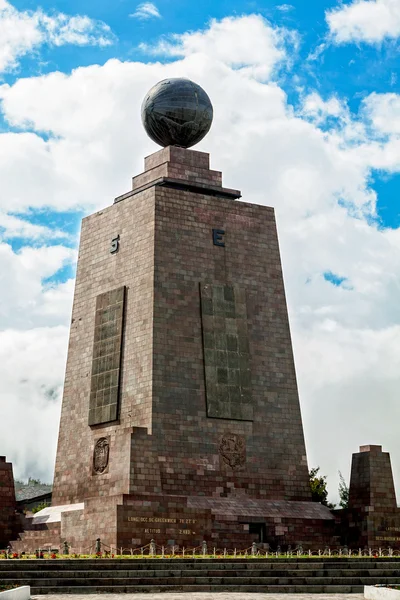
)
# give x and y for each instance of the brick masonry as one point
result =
(175, 440)
(373, 518)
(8, 504)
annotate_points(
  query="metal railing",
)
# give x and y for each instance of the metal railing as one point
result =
(98, 549)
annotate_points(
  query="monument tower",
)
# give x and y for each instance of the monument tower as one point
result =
(180, 417)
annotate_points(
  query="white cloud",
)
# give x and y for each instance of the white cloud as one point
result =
(15, 227)
(34, 318)
(248, 44)
(146, 11)
(26, 299)
(316, 53)
(383, 110)
(79, 30)
(285, 7)
(30, 365)
(23, 32)
(312, 165)
(317, 108)
(370, 21)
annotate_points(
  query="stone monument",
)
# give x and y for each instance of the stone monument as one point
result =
(372, 519)
(180, 417)
(8, 504)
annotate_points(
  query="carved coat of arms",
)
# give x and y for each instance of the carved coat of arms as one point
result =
(100, 455)
(232, 449)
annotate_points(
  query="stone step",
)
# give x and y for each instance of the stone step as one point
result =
(190, 575)
(201, 581)
(35, 544)
(277, 589)
(305, 563)
(29, 533)
(36, 536)
(118, 573)
(34, 540)
(197, 565)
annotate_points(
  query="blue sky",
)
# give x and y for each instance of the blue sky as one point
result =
(307, 119)
(347, 69)
(350, 71)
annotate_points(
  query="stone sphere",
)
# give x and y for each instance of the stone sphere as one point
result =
(177, 112)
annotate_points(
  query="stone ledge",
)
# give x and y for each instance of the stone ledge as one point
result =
(20, 593)
(372, 592)
(199, 188)
(52, 514)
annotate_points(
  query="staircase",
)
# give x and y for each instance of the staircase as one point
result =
(37, 536)
(307, 575)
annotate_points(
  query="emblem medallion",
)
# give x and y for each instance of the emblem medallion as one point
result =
(232, 449)
(101, 455)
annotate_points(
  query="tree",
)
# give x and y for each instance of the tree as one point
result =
(319, 492)
(32, 481)
(343, 492)
(39, 507)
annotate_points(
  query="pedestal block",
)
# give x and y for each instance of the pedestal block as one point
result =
(373, 516)
(8, 504)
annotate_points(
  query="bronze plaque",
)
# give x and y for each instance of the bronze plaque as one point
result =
(106, 361)
(226, 352)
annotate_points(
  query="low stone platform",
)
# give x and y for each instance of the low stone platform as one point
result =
(309, 576)
(204, 596)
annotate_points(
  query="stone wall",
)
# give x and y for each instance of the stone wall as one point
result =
(8, 505)
(268, 443)
(372, 519)
(98, 272)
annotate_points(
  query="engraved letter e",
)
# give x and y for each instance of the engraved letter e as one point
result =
(218, 239)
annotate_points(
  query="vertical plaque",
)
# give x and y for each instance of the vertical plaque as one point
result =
(106, 361)
(226, 351)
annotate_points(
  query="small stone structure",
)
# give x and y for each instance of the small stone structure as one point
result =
(372, 519)
(8, 504)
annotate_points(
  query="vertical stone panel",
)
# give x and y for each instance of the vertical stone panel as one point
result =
(226, 352)
(106, 361)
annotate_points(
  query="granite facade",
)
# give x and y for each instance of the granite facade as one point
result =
(188, 427)
(99, 272)
(8, 504)
(186, 439)
(373, 518)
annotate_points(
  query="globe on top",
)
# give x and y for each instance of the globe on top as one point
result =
(177, 112)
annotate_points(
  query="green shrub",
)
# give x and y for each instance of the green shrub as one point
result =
(40, 506)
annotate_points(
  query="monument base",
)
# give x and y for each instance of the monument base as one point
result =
(132, 521)
(229, 520)
(364, 529)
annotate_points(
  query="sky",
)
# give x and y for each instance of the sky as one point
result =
(306, 119)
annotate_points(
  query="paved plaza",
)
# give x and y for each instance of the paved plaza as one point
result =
(200, 596)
